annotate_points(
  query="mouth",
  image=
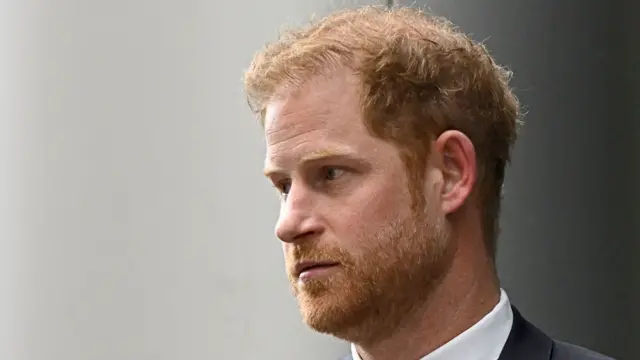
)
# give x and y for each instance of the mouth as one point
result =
(306, 267)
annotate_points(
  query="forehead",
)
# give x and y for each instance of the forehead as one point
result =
(327, 101)
(323, 116)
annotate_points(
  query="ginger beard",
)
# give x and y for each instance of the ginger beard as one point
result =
(373, 292)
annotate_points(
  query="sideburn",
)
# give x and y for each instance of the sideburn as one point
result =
(412, 140)
(415, 166)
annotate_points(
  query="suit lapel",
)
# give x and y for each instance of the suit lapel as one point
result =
(526, 342)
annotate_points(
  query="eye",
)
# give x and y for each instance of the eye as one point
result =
(283, 186)
(332, 173)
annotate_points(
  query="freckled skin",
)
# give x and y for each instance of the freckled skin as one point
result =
(345, 199)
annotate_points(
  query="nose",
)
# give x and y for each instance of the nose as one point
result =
(298, 217)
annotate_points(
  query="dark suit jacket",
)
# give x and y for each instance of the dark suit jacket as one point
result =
(526, 342)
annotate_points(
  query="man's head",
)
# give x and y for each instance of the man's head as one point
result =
(387, 132)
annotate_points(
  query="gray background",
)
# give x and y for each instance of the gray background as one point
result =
(135, 223)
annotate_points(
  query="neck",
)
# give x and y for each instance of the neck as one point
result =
(467, 293)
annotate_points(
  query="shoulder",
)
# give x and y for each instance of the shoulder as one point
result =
(528, 342)
(565, 351)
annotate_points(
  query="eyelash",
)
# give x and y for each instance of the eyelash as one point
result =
(281, 185)
(324, 171)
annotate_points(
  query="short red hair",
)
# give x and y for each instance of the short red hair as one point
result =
(420, 76)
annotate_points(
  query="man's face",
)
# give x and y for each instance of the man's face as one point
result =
(357, 255)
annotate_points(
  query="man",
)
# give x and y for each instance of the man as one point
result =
(388, 133)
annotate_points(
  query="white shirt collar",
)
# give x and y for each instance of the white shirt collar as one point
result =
(485, 339)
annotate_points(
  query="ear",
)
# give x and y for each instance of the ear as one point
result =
(457, 158)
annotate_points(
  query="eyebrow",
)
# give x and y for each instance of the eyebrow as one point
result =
(314, 156)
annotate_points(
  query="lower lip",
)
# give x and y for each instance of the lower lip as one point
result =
(315, 272)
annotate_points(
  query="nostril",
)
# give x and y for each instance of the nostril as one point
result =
(293, 230)
(305, 235)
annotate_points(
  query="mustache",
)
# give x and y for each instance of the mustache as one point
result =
(311, 252)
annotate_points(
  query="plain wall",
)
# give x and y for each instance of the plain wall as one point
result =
(138, 222)
(632, 88)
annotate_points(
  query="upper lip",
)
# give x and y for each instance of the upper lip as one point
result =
(306, 265)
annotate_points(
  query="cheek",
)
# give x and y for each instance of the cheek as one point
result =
(383, 208)
(368, 211)
(384, 201)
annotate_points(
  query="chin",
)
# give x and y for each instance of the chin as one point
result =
(319, 307)
(334, 313)
(326, 317)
